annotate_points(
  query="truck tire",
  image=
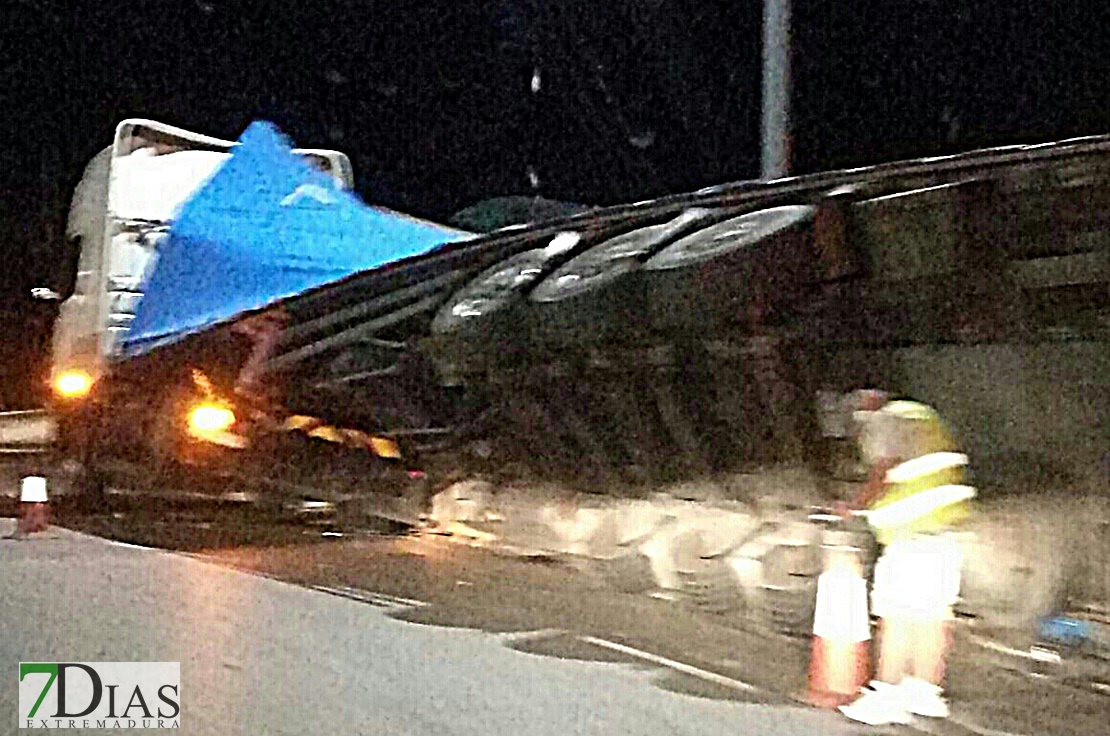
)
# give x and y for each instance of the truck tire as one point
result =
(164, 429)
(591, 299)
(82, 481)
(488, 311)
(702, 283)
(491, 310)
(74, 470)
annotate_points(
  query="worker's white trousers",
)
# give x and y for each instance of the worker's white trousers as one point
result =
(917, 578)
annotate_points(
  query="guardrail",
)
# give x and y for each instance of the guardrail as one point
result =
(26, 431)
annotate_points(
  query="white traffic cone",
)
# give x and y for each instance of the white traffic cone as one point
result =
(840, 656)
(34, 507)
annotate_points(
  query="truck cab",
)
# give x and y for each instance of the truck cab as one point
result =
(121, 211)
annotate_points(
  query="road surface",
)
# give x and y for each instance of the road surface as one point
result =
(260, 656)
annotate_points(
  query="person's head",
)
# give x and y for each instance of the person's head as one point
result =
(895, 430)
(872, 429)
(870, 399)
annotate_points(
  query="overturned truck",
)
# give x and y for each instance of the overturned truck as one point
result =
(638, 345)
(671, 344)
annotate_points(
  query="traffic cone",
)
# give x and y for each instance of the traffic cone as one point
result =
(840, 654)
(34, 508)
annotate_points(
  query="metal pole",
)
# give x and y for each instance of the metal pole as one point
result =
(775, 132)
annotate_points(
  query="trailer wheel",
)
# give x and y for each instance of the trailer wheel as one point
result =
(499, 287)
(591, 297)
(491, 310)
(704, 281)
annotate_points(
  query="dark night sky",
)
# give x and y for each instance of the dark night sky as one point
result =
(430, 98)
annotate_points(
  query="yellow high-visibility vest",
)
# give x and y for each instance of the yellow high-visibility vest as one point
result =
(928, 492)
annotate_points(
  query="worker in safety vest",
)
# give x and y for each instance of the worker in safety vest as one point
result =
(914, 496)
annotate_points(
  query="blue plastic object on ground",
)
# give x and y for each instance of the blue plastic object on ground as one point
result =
(1065, 630)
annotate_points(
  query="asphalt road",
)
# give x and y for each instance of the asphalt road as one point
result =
(259, 656)
(458, 662)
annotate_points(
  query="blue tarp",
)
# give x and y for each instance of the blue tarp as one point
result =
(265, 227)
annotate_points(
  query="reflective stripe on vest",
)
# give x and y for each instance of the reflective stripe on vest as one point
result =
(924, 494)
(924, 466)
(906, 511)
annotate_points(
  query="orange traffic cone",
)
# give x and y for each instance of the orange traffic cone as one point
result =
(840, 655)
(34, 509)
